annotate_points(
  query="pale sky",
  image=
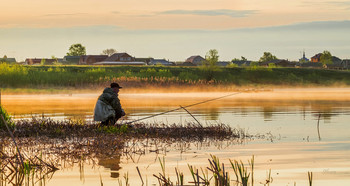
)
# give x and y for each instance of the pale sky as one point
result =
(175, 29)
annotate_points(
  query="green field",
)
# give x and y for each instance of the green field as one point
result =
(46, 77)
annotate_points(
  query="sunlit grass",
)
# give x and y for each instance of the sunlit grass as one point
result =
(41, 77)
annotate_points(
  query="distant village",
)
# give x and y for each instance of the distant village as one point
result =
(195, 60)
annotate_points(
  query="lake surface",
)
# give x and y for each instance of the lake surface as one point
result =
(298, 130)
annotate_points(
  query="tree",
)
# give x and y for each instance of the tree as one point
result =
(76, 50)
(55, 62)
(211, 58)
(109, 51)
(326, 57)
(43, 61)
(4, 59)
(242, 59)
(210, 64)
(267, 57)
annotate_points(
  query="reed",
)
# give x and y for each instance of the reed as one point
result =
(268, 178)
(101, 182)
(195, 175)
(309, 175)
(162, 178)
(241, 172)
(179, 177)
(126, 178)
(221, 177)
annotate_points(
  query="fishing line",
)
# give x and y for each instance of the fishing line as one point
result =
(183, 107)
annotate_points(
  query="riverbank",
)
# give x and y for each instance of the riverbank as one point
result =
(172, 89)
(92, 77)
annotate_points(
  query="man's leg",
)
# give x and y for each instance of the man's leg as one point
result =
(110, 121)
(117, 116)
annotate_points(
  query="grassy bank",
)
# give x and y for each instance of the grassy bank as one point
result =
(77, 77)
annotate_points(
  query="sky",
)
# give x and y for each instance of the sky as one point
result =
(176, 29)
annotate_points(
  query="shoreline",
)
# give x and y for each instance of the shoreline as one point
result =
(170, 89)
(134, 98)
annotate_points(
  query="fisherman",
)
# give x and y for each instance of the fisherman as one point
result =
(108, 108)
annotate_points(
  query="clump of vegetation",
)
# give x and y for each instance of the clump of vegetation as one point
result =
(4, 117)
(220, 174)
(70, 128)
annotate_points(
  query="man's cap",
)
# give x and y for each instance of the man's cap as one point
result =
(115, 85)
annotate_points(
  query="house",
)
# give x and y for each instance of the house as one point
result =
(120, 57)
(71, 60)
(311, 65)
(242, 63)
(223, 63)
(336, 59)
(37, 61)
(197, 60)
(120, 63)
(161, 62)
(278, 63)
(146, 60)
(91, 59)
(187, 64)
(316, 58)
(346, 63)
(333, 66)
(8, 60)
(337, 64)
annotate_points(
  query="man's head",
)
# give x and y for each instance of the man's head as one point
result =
(115, 87)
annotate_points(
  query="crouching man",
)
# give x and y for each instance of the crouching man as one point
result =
(108, 108)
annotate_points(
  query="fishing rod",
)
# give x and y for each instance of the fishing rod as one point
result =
(183, 107)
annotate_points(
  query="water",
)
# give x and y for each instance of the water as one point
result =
(304, 130)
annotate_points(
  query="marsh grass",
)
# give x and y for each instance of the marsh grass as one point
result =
(76, 128)
(18, 76)
(179, 177)
(219, 175)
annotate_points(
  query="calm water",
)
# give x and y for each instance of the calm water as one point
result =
(304, 129)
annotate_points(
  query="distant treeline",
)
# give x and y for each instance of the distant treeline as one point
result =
(19, 76)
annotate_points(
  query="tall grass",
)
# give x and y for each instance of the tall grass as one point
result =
(220, 175)
(18, 76)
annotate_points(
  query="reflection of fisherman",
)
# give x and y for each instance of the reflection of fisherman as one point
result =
(108, 108)
(112, 163)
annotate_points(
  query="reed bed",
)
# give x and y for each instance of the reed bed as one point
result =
(39, 127)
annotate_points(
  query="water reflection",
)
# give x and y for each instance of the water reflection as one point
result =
(112, 163)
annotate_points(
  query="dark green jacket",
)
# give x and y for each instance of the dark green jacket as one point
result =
(111, 98)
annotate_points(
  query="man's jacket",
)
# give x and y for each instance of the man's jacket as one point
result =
(108, 105)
